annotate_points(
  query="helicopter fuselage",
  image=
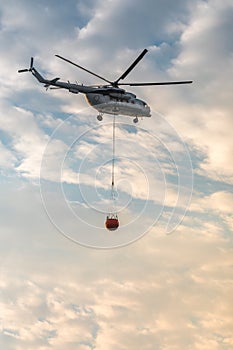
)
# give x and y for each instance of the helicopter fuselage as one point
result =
(119, 103)
(105, 99)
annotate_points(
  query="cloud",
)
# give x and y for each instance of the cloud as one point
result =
(206, 57)
(27, 139)
(168, 292)
(212, 117)
(155, 25)
(220, 201)
(8, 160)
(174, 287)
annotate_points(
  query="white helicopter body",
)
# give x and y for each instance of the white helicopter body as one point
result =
(119, 104)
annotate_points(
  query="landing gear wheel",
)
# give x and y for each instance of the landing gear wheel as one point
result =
(99, 117)
(135, 120)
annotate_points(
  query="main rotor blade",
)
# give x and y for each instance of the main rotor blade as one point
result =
(86, 70)
(138, 59)
(162, 83)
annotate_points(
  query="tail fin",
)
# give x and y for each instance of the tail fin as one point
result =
(38, 75)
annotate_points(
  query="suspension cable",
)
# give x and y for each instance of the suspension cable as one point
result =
(113, 154)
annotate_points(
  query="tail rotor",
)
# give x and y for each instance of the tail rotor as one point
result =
(29, 69)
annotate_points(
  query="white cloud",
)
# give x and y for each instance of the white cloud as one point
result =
(27, 139)
(220, 201)
(7, 159)
(206, 57)
(170, 292)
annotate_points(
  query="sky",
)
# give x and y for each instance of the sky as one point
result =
(164, 279)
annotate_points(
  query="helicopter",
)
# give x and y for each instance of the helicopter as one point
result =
(109, 98)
